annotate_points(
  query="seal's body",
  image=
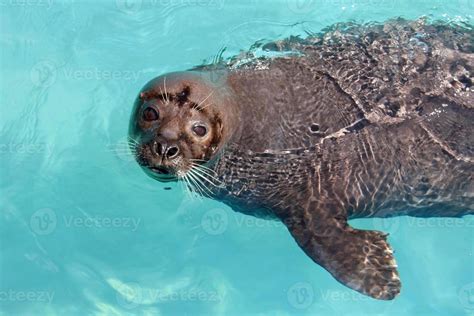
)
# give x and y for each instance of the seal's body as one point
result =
(359, 122)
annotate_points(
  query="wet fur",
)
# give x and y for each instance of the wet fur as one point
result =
(393, 137)
(361, 121)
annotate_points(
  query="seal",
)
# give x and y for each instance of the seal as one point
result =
(355, 122)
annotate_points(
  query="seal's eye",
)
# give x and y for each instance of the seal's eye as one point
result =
(200, 130)
(150, 114)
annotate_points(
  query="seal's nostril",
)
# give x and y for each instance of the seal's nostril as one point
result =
(172, 152)
(158, 148)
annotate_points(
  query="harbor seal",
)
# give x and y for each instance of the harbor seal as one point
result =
(358, 121)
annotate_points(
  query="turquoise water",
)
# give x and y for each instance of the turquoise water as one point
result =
(84, 232)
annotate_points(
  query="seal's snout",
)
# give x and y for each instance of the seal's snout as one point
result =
(160, 158)
(164, 149)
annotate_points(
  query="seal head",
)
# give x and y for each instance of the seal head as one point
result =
(180, 120)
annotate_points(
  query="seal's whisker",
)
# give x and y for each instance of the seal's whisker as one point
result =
(197, 160)
(193, 189)
(206, 170)
(197, 186)
(125, 146)
(202, 176)
(119, 151)
(200, 103)
(164, 96)
(187, 187)
(205, 106)
(184, 187)
(186, 184)
(205, 174)
(166, 92)
(196, 191)
(203, 170)
(122, 150)
(203, 167)
(200, 160)
(132, 140)
(209, 178)
(199, 183)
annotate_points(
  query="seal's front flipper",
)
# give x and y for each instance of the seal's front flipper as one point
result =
(359, 259)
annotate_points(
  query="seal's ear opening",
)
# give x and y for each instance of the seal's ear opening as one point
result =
(217, 137)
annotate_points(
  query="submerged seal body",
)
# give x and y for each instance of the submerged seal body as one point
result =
(361, 121)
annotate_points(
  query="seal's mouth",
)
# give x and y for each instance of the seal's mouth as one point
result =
(153, 166)
(160, 170)
(160, 173)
